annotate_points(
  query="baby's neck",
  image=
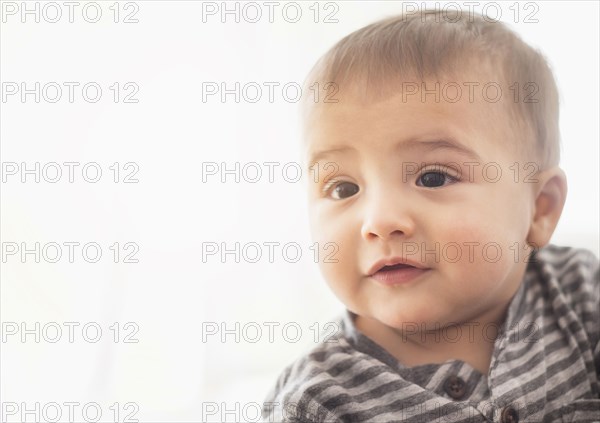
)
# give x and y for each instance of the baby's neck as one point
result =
(474, 346)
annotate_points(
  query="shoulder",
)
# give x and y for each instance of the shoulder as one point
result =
(305, 390)
(572, 276)
(575, 271)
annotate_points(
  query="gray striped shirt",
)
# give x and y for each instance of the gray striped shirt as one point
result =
(545, 364)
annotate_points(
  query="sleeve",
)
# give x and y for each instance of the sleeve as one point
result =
(589, 304)
(586, 301)
(272, 410)
(289, 401)
(596, 290)
(577, 272)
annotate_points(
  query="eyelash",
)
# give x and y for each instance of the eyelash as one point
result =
(332, 183)
(443, 171)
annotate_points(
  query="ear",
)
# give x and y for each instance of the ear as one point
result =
(550, 195)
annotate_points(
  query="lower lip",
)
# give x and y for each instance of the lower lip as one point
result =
(398, 276)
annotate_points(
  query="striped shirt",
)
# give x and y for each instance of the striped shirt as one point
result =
(544, 368)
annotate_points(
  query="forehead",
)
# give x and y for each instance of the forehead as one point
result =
(418, 117)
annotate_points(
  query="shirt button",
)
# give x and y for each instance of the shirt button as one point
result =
(510, 415)
(455, 387)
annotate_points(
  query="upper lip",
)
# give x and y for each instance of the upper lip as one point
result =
(391, 261)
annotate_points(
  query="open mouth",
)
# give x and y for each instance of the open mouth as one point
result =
(395, 266)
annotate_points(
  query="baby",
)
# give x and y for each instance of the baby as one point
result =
(436, 154)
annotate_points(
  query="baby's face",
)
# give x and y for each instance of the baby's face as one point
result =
(436, 184)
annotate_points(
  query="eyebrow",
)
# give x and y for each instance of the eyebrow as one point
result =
(320, 154)
(440, 144)
(412, 144)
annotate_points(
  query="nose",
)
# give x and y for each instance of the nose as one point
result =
(387, 216)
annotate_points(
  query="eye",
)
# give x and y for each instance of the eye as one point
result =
(434, 179)
(340, 190)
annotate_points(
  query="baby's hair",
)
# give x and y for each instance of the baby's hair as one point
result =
(376, 58)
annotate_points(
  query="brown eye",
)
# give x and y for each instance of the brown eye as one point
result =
(344, 190)
(433, 179)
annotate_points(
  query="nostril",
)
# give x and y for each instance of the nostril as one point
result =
(382, 233)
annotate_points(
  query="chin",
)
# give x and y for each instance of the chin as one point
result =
(394, 319)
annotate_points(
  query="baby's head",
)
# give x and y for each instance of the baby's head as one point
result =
(436, 144)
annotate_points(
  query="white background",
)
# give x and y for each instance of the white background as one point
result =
(171, 294)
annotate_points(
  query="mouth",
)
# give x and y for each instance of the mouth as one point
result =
(394, 263)
(394, 267)
(396, 271)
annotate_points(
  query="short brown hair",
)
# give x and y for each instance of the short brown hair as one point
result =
(429, 45)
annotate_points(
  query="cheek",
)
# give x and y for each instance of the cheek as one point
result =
(495, 214)
(338, 247)
(485, 258)
(462, 226)
(331, 233)
(332, 226)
